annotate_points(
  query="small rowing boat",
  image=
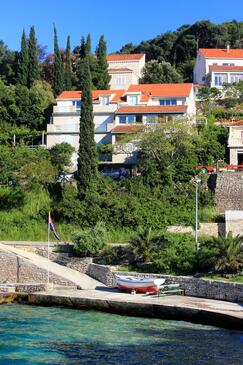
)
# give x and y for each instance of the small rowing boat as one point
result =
(139, 284)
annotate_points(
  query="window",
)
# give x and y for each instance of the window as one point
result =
(131, 119)
(236, 77)
(215, 64)
(120, 80)
(77, 104)
(105, 100)
(220, 79)
(133, 100)
(167, 102)
(228, 64)
(122, 119)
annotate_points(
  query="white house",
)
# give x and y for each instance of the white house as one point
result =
(125, 69)
(117, 112)
(214, 67)
(235, 142)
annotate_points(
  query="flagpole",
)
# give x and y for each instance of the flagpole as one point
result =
(48, 250)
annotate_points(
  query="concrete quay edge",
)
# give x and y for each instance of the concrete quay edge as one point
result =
(190, 309)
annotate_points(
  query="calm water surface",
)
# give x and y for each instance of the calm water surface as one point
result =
(37, 335)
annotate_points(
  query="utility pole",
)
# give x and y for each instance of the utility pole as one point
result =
(196, 225)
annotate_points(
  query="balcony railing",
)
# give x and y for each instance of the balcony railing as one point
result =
(235, 142)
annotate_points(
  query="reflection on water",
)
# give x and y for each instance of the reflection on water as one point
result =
(37, 335)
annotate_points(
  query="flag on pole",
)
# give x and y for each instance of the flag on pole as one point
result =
(51, 226)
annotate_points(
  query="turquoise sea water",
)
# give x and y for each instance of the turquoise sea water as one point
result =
(40, 335)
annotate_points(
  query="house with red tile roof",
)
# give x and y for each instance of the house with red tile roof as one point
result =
(125, 69)
(117, 112)
(215, 67)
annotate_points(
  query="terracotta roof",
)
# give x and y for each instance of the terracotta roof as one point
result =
(162, 90)
(127, 128)
(125, 57)
(69, 95)
(151, 109)
(119, 70)
(221, 53)
(225, 68)
(236, 123)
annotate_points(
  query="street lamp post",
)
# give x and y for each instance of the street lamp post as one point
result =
(196, 226)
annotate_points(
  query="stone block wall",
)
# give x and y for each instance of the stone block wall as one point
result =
(195, 287)
(229, 191)
(17, 270)
(205, 229)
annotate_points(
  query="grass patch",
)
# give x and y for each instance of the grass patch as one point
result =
(120, 235)
(235, 279)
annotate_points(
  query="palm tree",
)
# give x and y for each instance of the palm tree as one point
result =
(143, 244)
(223, 254)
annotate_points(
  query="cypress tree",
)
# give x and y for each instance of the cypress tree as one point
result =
(88, 45)
(23, 65)
(103, 78)
(87, 156)
(58, 76)
(68, 67)
(83, 48)
(34, 73)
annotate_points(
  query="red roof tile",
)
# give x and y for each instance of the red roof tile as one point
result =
(69, 95)
(221, 53)
(125, 57)
(162, 90)
(225, 68)
(112, 70)
(126, 128)
(236, 123)
(151, 109)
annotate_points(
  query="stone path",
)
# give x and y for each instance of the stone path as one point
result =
(81, 280)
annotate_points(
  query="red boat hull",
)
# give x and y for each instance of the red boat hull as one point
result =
(144, 289)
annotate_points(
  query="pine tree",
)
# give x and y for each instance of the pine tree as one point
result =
(102, 76)
(34, 73)
(23, 65)
(68, 67)
(87, 157)
(58, 77)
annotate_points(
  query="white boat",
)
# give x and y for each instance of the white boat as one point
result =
(139, 284)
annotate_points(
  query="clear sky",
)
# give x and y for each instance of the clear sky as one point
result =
(121, 21)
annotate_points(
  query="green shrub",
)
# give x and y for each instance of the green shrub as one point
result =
(11, 198)
(91, 240)
(176, 255)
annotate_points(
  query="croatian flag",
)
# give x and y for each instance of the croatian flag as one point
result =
(51, 225)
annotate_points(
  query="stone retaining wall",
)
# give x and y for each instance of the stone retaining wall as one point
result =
(17, 270)
(195, 287)
(205, 229)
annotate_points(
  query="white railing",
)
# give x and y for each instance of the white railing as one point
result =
(125, 148)
(235, 142)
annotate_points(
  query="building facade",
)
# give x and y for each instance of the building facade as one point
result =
(235, 142)
(215, 67)
(117, 112)
(125, 69)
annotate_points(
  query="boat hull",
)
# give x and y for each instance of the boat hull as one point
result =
(139, 289)
(140, 285)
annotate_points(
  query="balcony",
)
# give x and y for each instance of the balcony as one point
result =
(235, 142)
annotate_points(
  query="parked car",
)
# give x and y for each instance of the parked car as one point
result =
(117, 174)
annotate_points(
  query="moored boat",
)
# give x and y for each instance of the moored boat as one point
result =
(139, 284)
